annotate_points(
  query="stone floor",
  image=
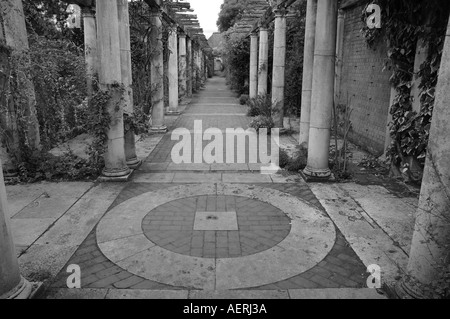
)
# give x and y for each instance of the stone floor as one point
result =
(210, 230)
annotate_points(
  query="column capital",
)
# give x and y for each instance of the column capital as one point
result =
(182, 35)
(261, 29)
(254, 35)
(279, 13)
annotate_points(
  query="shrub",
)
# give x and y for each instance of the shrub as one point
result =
(260, 105)
(262, 122)
(296, 163)
(244, 99)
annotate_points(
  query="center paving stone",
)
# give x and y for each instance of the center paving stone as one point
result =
(216, 226)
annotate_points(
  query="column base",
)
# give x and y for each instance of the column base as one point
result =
(158, 129)
(407, 289)
(115, 175)
(317, 176)
(24, 290)
(134, 163)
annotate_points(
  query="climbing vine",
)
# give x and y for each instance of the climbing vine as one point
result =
(404, 24)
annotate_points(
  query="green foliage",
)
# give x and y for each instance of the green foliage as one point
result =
(262, 121)
(295, 163)
(48, 19)
(229, 14)
(57, 69)
(237, 60)
(406, 22)
(243, 99)
(260, 105)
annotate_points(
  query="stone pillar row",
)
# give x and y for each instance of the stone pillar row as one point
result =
(429, 256)
(108, 54)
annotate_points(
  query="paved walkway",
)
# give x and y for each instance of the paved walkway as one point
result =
(211, 230)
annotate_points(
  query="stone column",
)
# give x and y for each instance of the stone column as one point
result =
(194, 67)
(173, 71)
(253, 65)
(12, 285)
(263, 61)
(182, 63)
(430, 250)
(279, 65)
(202, 67)
(90, 46)
(110, 75)
(127, 81)
(157, 73)
(197, 68)
(322, 90)
(16, 38)
(308, 65)
(189, 71)
(339, 56)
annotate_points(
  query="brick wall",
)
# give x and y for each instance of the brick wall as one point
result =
(365, 83)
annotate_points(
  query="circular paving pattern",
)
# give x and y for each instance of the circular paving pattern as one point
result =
(216, 226)
(121, 238)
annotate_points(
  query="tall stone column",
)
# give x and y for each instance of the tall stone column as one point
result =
(253, 65)
(182, 65)
(16, 38)
(322, 90)
(189, 72)
(12, 285)
(157, 73)
(202, 66)
(263, 65)
(90, 46)
(173, 71)
(110, 75)
(127, 81)
(339, 55)
(279, 66)
(308, 66)
(430, 250)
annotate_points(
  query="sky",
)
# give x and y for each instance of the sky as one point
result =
(207, 12)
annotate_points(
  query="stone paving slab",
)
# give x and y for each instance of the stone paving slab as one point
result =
(341, 293)
(55, 247)
(372, 244)
(40, 194)
(394, 215)
(197, 178)
(239, 294)
(27, 231)
(296, 294)
(245, 178)
(147, 294)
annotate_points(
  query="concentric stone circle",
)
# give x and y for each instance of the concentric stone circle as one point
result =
(260, 226)
(121, 239)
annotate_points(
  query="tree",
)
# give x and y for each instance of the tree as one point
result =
(230, 13)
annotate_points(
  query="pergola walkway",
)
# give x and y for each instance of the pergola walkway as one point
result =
(183, 231)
